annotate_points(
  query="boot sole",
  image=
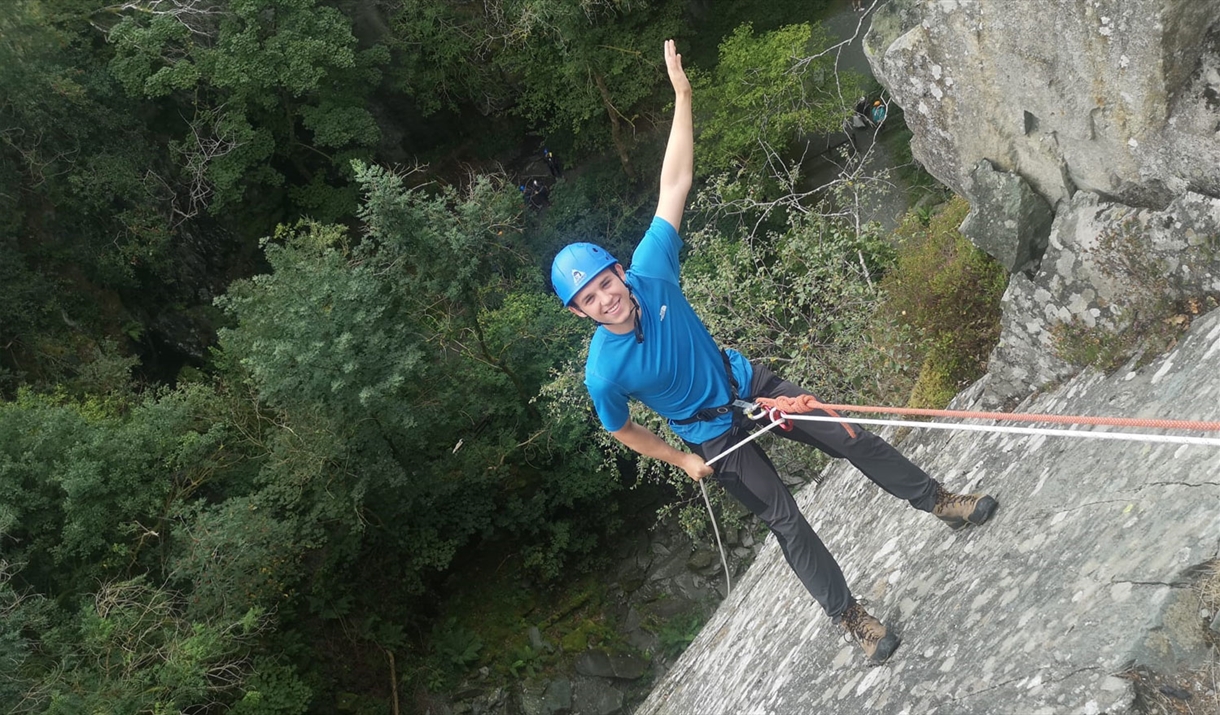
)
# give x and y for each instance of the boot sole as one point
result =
(983, 511)
(885, 648)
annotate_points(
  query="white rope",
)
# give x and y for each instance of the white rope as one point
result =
(724, 562)
(1123, 436)
(728, 586)
(740, 444)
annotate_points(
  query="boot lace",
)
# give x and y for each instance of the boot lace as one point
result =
(946, 500)
(855, 620)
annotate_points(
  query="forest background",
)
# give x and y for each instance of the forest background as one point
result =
(289, 415)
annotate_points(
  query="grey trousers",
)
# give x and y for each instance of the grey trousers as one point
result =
(751, 478)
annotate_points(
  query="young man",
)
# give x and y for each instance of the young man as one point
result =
(651, 346)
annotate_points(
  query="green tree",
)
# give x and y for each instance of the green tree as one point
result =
(414, 357)
(444, 55)
(801, 299)
(581, 69)
(767, 92)
(83, 214)
(89, 495)
(248, 76)
(130, 649)
(587, 68)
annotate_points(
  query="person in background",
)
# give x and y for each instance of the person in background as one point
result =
(859, 118)
(552, 163)
(877, 113)
(540, 193)
(649, 345)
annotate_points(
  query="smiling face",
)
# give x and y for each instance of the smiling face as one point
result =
(607, 301)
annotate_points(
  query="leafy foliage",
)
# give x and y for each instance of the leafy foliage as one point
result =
(766, 92)
(945, 295)
(675, 634)
(130, 650)
(802, 299)
(258, 66)
(456, 645)
(273, 689)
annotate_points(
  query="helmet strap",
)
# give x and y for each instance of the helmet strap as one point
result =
(636, 326)
(639, 329)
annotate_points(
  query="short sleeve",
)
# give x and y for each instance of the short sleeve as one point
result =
(657, 254)
(609, 401)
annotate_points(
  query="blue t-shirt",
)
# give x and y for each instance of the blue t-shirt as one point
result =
(677, 370)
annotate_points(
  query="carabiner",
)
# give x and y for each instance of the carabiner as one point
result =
(774, 414)
(753, 410)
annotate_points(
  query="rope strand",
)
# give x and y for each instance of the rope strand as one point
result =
(1121, 436)
(724, 562)
(808, 403)
(728, 586)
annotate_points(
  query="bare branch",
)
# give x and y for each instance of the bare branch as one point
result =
(208, 141)
(200, 17)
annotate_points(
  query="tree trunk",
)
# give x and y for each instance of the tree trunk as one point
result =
(616, 128)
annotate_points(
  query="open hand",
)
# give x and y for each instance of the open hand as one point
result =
(673, 63)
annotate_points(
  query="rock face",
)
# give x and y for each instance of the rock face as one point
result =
(1108, 266)
(1117, 97)
(1080, 576)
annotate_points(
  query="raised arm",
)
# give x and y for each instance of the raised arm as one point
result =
(678, 168)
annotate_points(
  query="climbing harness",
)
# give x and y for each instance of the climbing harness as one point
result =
(782, 410)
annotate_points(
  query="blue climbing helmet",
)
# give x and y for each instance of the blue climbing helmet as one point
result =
(575, 266)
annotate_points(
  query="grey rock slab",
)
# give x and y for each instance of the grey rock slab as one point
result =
(1103, 266)
(1174, 641)
(558, 696)
(643, 641)
(600, 664)
(665, 608)
(531, 702)
(1035, 612)
(595, 663)
(690, 587)
(633, 620)
(591, 696)
(537, 642)
(673, 565)
(701, 559)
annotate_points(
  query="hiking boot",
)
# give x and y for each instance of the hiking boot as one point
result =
(876, 640)
(961, 510)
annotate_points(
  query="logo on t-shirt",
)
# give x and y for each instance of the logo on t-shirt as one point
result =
(577, 276)
(663, 309)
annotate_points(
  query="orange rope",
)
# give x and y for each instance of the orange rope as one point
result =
(808, 403)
